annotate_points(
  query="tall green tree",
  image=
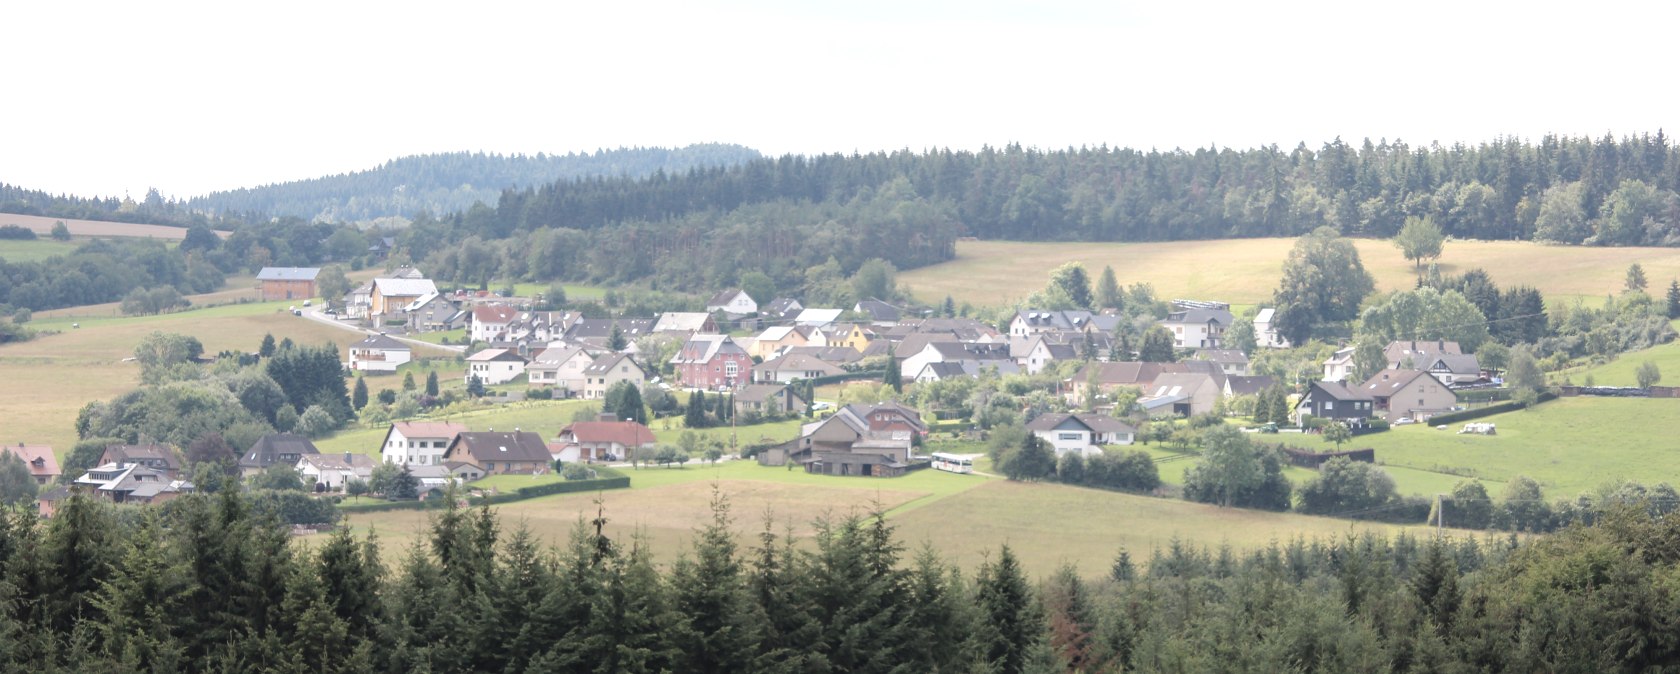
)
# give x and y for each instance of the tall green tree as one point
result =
(1108, 294)
(1073, 280)
(1420, 239)
(892, 376)
(1673, 300)
(721, 627)
(695, 415)
(432, 383)
(1323, 282)
(624, 399)
(1157, 346)
(1010, 617)
(359, 397)
(267, 348)
(17, 485)
(1635, 280)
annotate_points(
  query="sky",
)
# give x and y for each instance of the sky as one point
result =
(113, 98)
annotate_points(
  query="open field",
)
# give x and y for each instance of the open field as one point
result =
(12, 250)
(1570, 445)
(1046, 524)
(96, 228)
(1246, 271)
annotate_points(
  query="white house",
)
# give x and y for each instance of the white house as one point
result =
(732, 301)
(418, 442)
(1082, 433)
(1265, 331)
(1197, 328)
(1339, 365)
(560, 367)
(378, 353)
(953, 352)
(490, 322)
(607, 371)
(597, 440)
(332, 471)
(495, 366)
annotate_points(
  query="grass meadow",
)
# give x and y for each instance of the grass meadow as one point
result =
(1245, 271)
(42, 248)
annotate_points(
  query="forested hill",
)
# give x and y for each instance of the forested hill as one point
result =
(153, 210)
(442, 183)
(785, 216)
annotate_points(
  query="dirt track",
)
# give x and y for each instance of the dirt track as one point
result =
(95, 228)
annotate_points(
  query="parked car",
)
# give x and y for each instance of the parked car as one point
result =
(1403, 421)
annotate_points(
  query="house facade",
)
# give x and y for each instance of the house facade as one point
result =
(516, 453)
(1334, 400)
(607, 371)
(560, 368)
(495, 366)
(378, 353)
(391, 296)
(769, 399)
(1084, 434)
(489, 322)
(287, 283)
(732, 301)
(333, 471)
(1266, 334)
(161, 458)
(285, 448)
(1413, 394)
(600, 441)
(43, 465)
(712, 362)
(1197, 328)
(419, 443)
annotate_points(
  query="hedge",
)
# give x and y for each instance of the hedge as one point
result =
(612, 480)
(1501, 408)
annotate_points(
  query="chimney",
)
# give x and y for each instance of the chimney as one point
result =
(346, 457)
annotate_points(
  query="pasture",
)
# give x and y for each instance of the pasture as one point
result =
(90, 229)
(12, 250)
(1569, 445)
(964, 517)
(1246, 271)
(1620, 372)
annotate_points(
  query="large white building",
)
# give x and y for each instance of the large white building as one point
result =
(418, 442)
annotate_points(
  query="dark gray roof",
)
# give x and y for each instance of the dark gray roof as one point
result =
(382, 343)
(1219, 316)
(878, 310)
(1242, 386)
(268, 449)
(496, 446)
(288, 273)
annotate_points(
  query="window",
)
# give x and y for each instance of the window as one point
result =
(731, 368)
(1329, 404)
(1068, 436)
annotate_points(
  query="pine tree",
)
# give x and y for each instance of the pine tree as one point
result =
(722, 626)
(359, 397)
(892, 376)
(1072, 623)
(267, 348)
(949, 308)
(141, 602)
(408, 380)
(616, 341)
(1109, 295)
(695, 416)
(1157, 346)
(1011, 621)
(432, 383)
(1123, 571)
(1674, 300)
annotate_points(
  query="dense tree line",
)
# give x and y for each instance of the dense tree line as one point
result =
(211, 584)
(154, 209)
(443, 183)
(105, 270)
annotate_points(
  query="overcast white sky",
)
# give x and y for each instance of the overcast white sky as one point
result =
(108, 98)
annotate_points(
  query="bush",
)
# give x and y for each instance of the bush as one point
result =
(292, 507)
(1451, 418)
(17, 233)
(574, 471)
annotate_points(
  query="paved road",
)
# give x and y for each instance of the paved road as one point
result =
(315, 314)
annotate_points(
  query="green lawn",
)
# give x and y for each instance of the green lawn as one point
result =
(1619, 372)
(670, 429)
(453, 336)
(1407, 480)
(1570, 445)
(574, 291)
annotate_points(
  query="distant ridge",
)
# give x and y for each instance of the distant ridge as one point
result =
(443, 183)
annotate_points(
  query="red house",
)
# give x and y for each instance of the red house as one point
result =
(287, 283)
(712, 362)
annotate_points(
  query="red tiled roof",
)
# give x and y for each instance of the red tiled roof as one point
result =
(48, 466)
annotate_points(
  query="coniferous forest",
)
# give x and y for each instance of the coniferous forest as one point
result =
(205, 584)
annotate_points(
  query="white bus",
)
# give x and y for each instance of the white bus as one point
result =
(955, 463)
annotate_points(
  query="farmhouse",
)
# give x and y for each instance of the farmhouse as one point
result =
(43, 466)
(495, 366)
(273, 448)
(1408, 393)
(1335, 401)
(489, 322)
(418, 442)
(599, 441)
(868, 440)
(1440, 358)
(1081, 433)
(333, 471)
(287, 283)
(378, 353)
(519, 452)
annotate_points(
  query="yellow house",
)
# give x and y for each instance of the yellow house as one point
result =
(779, 337)
(854, 336)
(392, 295)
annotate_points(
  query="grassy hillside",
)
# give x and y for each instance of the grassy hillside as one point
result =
(1620, 372)
(1569, 445)
(1245, 271)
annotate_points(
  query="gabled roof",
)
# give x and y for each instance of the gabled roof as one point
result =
(585, 328)
(39, 458)
(268, 449)
(818, 316)
(554, 356)
(682, 321)
(1244, 386)
(1179, 384)
(943, 370)
(878, 310)
(1337, 391)
(357, 463)
(627, 433)
(780, 306)
(607, 362)
(381, 343)
(799, 362)
(1418, 350)
(426, 429)
(1199, 316)
(756, 393)
(497, 446)
(288, 273)
(970, 351)
(1386, 383)
(1265, 315)
(831, 354)
(725, 297)
(148, 452)
(423, 300)
(1221, 355)
(404, 287)
(1454, 363)
(777, 333)
(1095, 422)
(494, 314)
(703, 348)
(495, 355)
(1057, 320)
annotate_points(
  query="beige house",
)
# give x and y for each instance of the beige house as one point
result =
(1185, 394)
(607, 371)
(392, 295)
(776, 338)
(1413, 394)
(495, 366)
